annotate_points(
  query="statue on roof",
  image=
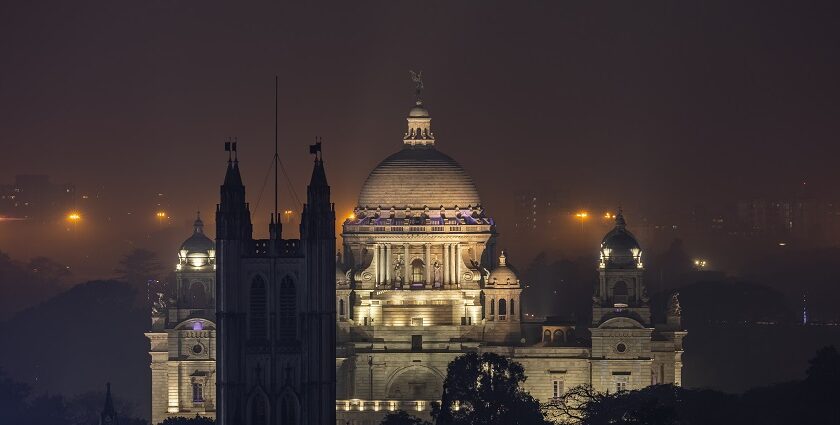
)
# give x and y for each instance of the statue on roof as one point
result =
(417, 78)
(674, 308)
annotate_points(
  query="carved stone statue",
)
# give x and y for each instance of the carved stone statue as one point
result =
(674, 308)
(437, 277)
(398, 271)
(159, 304)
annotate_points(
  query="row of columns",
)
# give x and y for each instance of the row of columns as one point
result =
(385, 253)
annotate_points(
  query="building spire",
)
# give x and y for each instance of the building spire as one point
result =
(419, 132)
(198, 225)
(109, 414)
(620, 223)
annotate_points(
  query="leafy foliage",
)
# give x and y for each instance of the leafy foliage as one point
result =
(810, 401)
(402, 418)
(486, 390)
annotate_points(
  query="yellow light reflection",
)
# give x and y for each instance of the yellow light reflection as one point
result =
(74, 216)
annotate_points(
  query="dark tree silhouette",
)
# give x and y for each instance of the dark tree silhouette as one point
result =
(197, 420)
(486, 390)
(140, 269)
(811, 401)
(19, 405)
(402, 418)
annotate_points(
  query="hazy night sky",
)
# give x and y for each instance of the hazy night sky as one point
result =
(648, 104)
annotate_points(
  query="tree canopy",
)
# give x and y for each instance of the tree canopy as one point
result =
(486, 389)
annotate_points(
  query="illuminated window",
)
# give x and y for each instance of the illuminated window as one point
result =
(417, 271)
(621, 382)
(556, 388)
(198, 392)
(502, 309)
(287, 307)
(257, 317)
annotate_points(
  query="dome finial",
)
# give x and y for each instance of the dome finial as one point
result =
(619, 219)
(502, 259)
(198, 225)
(419, 132)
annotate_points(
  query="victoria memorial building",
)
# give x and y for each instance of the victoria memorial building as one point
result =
(419, 281)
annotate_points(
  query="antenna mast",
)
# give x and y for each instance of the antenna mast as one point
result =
(276, 155)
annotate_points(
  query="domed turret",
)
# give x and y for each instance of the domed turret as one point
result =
(198, 250)
(502, 275)
(619, 248)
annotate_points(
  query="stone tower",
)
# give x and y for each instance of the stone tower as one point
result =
(276, 311)
(183, 335)
(317, 232)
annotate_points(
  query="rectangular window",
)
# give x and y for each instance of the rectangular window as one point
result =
(198, 392)
(621, 382)
(417, 343)
(556, 388)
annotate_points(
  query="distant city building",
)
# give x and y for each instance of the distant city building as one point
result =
(535, 210)
(36, 197)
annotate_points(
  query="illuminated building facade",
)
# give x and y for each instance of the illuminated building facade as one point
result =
(183, 335)
(420, 284)
(417, 283)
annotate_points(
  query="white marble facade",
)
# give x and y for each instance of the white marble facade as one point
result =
(420, 283)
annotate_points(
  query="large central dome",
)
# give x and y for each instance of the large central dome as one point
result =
(416, 177)
(419, 176)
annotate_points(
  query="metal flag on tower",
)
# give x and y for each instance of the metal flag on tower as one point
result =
(314, 149)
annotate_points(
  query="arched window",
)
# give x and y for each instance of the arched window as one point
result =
(341, 307)
(620, 293)
(287, 309)
(417, 269)
(288, 411)
(512, 308)
(257, 317)
(547, 336)
(198, 296)
(492, 308)
(259, 410)
(502, 308)
(558, 336)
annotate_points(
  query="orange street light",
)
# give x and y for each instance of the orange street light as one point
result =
(582, 215)
(74, 216)
(160, 216)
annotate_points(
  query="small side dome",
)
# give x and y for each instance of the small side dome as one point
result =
(502, 275)
(418, 111)
(198, 250)
(619, 248)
